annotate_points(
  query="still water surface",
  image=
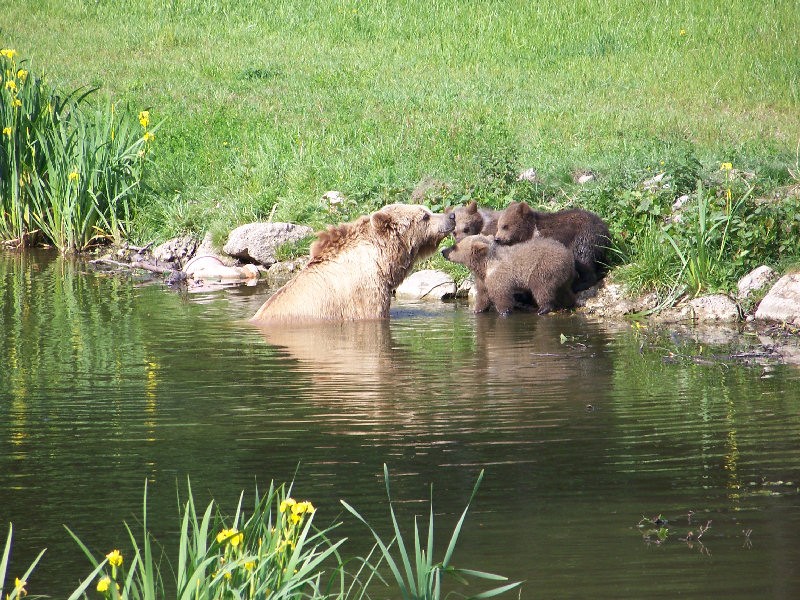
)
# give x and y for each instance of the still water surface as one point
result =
(583, 428)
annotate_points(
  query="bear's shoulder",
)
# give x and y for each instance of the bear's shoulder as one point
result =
(337, 238)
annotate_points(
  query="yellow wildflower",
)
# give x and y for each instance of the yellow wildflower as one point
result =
(104, 584)
(7, 131)
(16, 102)
(295, 518)
(233, 536)
(8, 53)
(114, 558)
(11, 85)
(286, 504)
(74, 176)
(22, 74)
(19, 587)
(726, 166)
(144, 118)
(248, 566)
(148, 137)
(683, 32)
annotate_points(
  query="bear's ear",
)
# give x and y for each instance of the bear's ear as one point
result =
(480, 249)
(382, 221)
(472, 207)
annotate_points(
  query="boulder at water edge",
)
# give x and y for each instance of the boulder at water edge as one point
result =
(782, 303)
(258, 241)
(428, 284)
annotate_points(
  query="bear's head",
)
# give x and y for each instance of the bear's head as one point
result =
(469, 220)
(471, 251)
(515, 224)
(411, 229)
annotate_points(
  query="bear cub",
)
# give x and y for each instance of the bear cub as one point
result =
(542, 266)
(471, 220)
(582, 231)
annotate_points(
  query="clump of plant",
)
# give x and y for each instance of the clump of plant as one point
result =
(70, 171)
(294, 249)
(19, 590)
(417, 575)
(272, 551)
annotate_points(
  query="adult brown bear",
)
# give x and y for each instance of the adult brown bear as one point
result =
(355, 266)
(543, 266)
(582, 231)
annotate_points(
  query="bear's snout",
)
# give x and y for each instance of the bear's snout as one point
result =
(446, 251)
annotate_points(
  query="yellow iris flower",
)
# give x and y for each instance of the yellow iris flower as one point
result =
(114, 557)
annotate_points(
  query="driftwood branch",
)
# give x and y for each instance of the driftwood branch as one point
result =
(134, 265)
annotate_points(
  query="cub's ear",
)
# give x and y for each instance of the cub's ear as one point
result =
(480, 249)
(381, 221)
(472, 207)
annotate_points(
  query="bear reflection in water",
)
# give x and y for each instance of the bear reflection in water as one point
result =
(380, 368)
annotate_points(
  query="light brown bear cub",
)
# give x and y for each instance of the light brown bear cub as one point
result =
(583, 232)
(355, 266)
(542, 266)
(471, 220)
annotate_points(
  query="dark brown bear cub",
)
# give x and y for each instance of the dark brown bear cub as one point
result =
(471, 220)
(542, 266)
(583, 232)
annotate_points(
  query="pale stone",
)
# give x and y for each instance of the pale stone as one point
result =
(754, 281)
(529, 175)
(428, 284)
(610, 299)
(258, 241)
(177, 250)
(211, 267)
(782, 303)
(716, 308)
(333, 197)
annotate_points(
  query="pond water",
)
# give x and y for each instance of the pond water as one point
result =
(583, 428)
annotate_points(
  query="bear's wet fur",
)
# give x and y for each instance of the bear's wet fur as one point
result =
(472, 220)
(543, 266)
(355, 266)
(582, 231)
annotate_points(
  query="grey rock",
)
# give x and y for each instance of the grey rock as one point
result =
(531, 175)
(611, 299)
(428, 284)
(755, 280)
(258, 241)
(716, 308)
(782, 302)
(333, 198)
(209, 267)
(177, 250)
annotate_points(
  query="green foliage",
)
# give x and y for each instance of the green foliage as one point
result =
(272, 551)
(18, 591)
(296, 249)
(290, 100)
(69, 171)
(415, 572)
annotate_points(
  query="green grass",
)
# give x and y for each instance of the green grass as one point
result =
(278, 102)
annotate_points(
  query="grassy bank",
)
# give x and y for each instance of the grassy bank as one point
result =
(268, 105)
